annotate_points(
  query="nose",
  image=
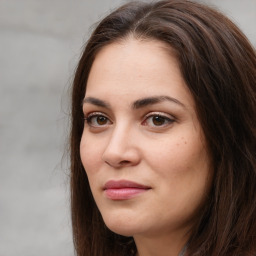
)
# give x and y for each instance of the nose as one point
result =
(122, 149)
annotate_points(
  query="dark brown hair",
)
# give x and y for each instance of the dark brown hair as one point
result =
(219, 67)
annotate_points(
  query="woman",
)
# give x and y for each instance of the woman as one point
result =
(163, 147)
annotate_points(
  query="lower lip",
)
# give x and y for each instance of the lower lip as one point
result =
(123, 193)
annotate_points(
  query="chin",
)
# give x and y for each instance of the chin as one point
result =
(122, 226)
(122, 231)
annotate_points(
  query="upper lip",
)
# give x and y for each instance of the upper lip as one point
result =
(117, 184)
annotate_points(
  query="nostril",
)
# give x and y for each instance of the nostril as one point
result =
(124, 162)
(119, 158)
(119, 164)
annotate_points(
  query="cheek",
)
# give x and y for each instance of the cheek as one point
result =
(183, 162)
(172, 152)
(185, 176)
(90, 157)
(90, 154)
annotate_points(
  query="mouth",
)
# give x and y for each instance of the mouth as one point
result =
(123, 189)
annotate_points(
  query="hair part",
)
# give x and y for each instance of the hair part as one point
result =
(218, 65)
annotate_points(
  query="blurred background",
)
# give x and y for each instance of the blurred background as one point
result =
(40, 44)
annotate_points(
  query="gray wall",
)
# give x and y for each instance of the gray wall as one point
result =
(40, 43)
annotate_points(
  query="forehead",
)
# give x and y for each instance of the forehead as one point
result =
(138, 68)
(136, 57)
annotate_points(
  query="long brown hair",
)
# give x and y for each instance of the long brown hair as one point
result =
(219, 67)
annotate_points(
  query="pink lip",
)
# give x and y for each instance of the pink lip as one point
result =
(123, 189)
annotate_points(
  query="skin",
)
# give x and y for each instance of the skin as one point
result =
(122, 140)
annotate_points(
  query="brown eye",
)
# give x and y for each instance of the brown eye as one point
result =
(97, 120)
(101, 120)
(158, 120)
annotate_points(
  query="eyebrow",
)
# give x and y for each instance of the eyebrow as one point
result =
(140, 103)
(95, 101)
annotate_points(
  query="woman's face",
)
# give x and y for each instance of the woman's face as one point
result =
(142, 146)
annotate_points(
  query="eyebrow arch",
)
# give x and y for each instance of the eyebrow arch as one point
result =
(137, 104)
(95, 101)
(154, 100)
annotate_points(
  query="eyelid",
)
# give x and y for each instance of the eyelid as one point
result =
(148, 120)
(160, 114)
(89, 119)
(96, 113)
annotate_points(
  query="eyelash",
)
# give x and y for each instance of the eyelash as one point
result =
(89, 119)
(161, 117)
